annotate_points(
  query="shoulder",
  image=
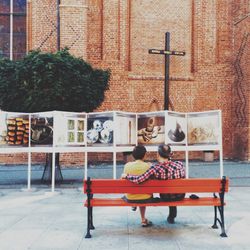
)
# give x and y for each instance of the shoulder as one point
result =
(128, 165)
(146, 165)
(177, 163)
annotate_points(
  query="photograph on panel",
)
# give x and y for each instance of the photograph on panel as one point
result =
(100, 130)
(14, 129)
(203, 128)
(126, 129)
(69, 129)
(176, 128)
(42, 125)
(151, 129)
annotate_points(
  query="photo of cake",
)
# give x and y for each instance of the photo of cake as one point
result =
(151, 129)
(203, 128)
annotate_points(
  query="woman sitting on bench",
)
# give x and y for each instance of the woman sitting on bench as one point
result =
(138, 167)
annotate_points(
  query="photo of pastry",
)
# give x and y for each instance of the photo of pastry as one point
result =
(203, 128)
(151, 129)
(17, 130)
(100, 130)
(176, 128)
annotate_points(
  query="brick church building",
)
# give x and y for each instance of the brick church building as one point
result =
(116, 34)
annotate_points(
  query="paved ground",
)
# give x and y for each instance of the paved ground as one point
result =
(39, 219)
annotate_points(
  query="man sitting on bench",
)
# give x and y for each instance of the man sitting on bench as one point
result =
(164, 169)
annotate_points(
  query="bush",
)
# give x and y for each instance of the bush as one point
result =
(51, 81)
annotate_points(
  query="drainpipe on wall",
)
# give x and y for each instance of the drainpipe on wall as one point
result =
(58, 24)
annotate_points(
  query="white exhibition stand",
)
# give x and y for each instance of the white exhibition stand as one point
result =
(53, 151)
(112, 149)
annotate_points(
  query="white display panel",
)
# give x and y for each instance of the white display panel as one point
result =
(42, 129)
(58, 128)
(14, 129)
(176, 128)
(125, 132)
(113, 128)
(109, 129)
(204, 128)
(100, 129)
(70, 129)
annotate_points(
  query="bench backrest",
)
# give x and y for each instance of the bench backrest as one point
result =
(104, 186)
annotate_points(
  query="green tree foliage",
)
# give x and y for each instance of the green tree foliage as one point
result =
(51, 81)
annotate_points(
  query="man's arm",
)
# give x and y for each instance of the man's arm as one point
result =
(143, 177)
(179, 170)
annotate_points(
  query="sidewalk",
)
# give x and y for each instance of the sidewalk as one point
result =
(39, 219)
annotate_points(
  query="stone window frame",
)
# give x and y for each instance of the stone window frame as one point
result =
(13, 13)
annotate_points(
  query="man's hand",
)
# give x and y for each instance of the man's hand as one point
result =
(123, 176)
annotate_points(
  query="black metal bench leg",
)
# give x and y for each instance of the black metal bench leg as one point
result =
(222, 224)
(91, 219)
(215, 218)
(88, 235)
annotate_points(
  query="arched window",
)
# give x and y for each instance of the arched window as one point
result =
(12, 29)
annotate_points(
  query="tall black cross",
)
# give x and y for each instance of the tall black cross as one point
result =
(167, 53)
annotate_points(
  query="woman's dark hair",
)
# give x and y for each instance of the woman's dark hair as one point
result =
(164, 151)
(139, 152)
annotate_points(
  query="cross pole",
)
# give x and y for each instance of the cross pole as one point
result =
(167, 53)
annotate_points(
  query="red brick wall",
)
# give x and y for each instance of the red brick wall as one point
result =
(73, 26)
(22, 158)
(43, 33)
(202, 80)
(240, 112)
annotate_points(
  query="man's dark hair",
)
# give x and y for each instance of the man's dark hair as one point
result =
(139, 152)
(165, 151)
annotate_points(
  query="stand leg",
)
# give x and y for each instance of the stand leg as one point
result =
(53, 172)
(29, 170)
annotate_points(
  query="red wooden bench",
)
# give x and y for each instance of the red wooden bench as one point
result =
(216, 188)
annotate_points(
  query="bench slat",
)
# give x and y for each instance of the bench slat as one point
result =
(118, 202)
(99, 186)
(149, 190)
(172, 182)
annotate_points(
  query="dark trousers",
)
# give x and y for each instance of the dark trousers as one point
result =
(172, 212)
(172, 197)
